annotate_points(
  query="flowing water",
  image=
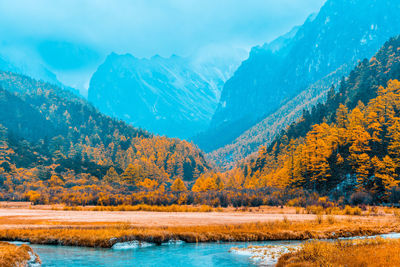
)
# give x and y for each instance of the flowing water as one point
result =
(179, 254)
(202, 254)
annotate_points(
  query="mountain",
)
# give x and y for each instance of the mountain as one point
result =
(361, 85)
(328, 44)
(350, 143)
(170, 96)
(31, 66)
(47, 131)
(5, 65)
(265, 131)
(67, 64)
(28, 67)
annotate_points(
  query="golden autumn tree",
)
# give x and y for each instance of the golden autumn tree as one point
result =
(359, 139)
(234, 178)
(147, 184)
(178, 185)
(133, 174)
(314, 156)
(385, 173)
(111, 176)
(394, 141)
(208, 182)
(341, 116)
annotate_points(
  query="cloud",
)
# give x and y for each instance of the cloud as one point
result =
(148, 27)
(72, 37)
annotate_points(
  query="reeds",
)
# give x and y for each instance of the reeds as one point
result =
(347, 210)
(367, 252)
(277, 230)
(12, 255)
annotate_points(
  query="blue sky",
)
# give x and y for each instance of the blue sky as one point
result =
(94, 28)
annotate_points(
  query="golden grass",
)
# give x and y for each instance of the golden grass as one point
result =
(24, 222)
(12, 255)
(278, 230)
(368, 252)
(313, 209)
(173, 208)
(347, 210)
(144, 207)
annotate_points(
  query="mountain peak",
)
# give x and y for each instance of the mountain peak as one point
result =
(172, 96)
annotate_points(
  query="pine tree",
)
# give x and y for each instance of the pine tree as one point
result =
(331, 94)
(178, 185)
(219, 184)
(111, 176)
(235, 178)
(342, 122)
(394, 141)
(361, 166)
(132, 174)
(316, 152)
(385, 175)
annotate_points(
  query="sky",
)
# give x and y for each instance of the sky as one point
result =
(73, 36)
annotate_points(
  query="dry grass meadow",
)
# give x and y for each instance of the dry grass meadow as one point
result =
(89, 226)
(370, 252)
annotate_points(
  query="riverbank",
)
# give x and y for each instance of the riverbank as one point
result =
(12, 255)
(368, 252)
(107, 236)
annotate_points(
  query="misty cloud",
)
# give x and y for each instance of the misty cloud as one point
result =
(72, 37)
(148, 27)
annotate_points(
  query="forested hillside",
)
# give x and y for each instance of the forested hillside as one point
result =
(55, 145)
(342, 33)
(264, 132)
(349, 144)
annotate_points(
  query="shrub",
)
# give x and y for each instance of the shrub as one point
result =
(319, 218)
(331, 219)
(298, 210)
(348, 210)
(359, 198)
(315, 209)
(394, 196)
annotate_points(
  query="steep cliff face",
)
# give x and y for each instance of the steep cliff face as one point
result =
(170, 96)
(342, 33)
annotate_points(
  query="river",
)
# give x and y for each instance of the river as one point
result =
(180, 254)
